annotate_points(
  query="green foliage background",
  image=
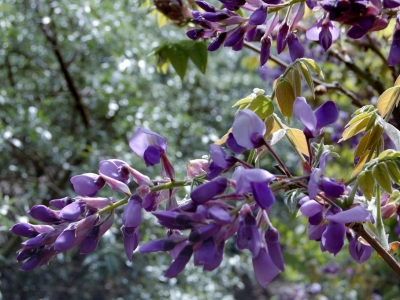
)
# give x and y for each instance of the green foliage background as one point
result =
(105, 47)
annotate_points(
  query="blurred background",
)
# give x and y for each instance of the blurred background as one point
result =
(77, 78)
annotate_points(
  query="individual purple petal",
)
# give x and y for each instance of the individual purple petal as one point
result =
(354, 214)
(259, 16)
(215, 16)
(132, 215)
(281, 40)
(264, 268)
(116, 185)
(30, 264)
(205, 5)
(316, 219)
(313, 183)
(116, 169)
(143, 138)
(203, 233)
(359, 251)
(315, 232)
(394, 54)
(333, 237)
(251, 34)
(266, 43)
(131, 240)
(296, 49)
(326, 114)
(205, 253)
(61, 203)
(218, 156)
(274, 248)
(180, 262)
(262, 194)
(248, 235)
(65, 240)
(311, 208)
(140, 178)
(87, 184)
(220, 215)
(195, 34)
(217, 43)
(217, 258)
(207, 191)
(248, 129)
(331, 188)
(304, 114)
(44, 214)
(235, 38)
(233, 145)
(297, 14)
(158, 245)
(96, 232)
(361, 28)
(72, 211)
(29, 230)
(246, 176)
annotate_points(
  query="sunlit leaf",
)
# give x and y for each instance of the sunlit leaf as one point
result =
(305, 73)
(285, 98)
(387, 100)
(224, 138)
(382, 177)
(397, 82)
(354, 129)
(299, 139)
(393, 171)
(360, 164)
(366, 183)
(370, 139)
(246, 101)
(311, 64)
(262, 106)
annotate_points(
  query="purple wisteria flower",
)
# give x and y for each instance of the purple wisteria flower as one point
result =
(360, 252)
(324, 32)
(248, 129)
(87, 184)
(257, 182)
(116, 169)
(148, 145)
(317, 181)
(152, 147)
(264, 268)
(394, 54)
(315, 121)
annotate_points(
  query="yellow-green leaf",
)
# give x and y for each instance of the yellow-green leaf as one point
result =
(397, 82)
(294, 78)
(224, 138)
(393, 171)
(387, 100)
(366, 183)
(360, 164)
(299, 139)
(370, 139)
(305, 73)
(246, 100)
(382, 177)
(262, 106)
(285, 98)
(313, 65)
(354, 129)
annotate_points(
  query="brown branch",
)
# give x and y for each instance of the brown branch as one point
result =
(389, 259)
(50, 36)
(329, 86)
(376, 84)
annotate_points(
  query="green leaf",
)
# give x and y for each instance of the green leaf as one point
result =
(262, 106)
(197, 52)
(285, 98)
(178, 58)
(311, 64)
(370, 139)
(294, 78)
(393, 171)
(354, 129)
(366, 183)
(299, 139)
(305, 73)
(388, 100)
(360, 164)
(397, 82)
(381, 176)
(246, 101)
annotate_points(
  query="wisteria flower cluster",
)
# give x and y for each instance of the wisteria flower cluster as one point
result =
(230, 27)
(228, 198)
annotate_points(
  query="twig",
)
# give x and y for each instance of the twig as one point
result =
(329, 86)
(390, 260)
(376, 84)
(64, 69)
